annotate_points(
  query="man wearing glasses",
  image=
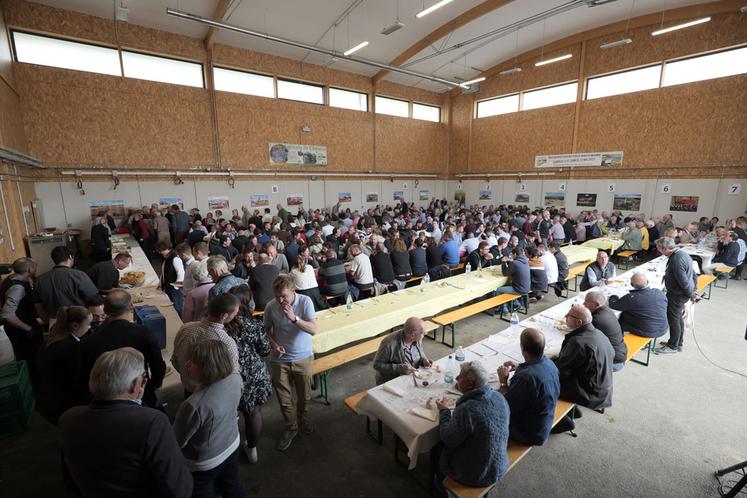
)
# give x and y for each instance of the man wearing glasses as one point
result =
(585, 366)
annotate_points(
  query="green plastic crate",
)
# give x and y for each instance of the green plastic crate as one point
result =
(16, 398)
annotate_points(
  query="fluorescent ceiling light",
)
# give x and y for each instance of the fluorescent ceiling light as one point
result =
(680, 26)
(554, 59)
(513, 70)
(433, 7)
(616, 43)
(355, 49)
(466, 84)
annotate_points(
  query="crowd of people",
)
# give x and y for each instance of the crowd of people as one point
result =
(91, 365)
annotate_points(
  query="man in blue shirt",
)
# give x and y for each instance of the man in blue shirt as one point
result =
(289, 322)
(533, 392)
(644, 310)
(449, 250)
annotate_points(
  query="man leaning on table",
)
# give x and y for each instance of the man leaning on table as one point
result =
(533, 391)
(585, 366)
(599, 273)
(289, 322)
(401, 353)
(644, 310)
(475, 436)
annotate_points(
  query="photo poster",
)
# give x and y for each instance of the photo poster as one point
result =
(116, 206)
(297, 154)
(399, 195)
(424, 195)
(522, 198)
(259, 200)
(294, 199)
(372, 197)
(166, 202)
(586, 200)
(486, 195)
(460, 196)
(627, 202)
(686, 203)
(605, 159)
(556, 199)
(217, 203)
(344, 197)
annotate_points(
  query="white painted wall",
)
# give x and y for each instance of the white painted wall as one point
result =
(64, 206)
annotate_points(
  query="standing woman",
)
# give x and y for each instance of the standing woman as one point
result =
(253, 345)
(57, 362)
(102, 245)
(205, 425)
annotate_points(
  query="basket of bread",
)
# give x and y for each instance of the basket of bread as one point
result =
(133, 278)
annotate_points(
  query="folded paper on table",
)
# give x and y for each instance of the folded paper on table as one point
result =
(393, 390)
(425, 413)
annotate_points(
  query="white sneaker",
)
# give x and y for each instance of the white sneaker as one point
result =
(251, 453)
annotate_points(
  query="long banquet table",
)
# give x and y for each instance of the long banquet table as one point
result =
(371, 317)
(420, 434)
(604, 243)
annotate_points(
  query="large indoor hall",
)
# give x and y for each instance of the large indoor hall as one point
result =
(373, 248)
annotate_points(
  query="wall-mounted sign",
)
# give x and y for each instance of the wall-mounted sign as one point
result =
(666, 188)
(275, 189)
(611, 159)
(522, 187)
(297, 154)
(735, 189)
(562, 187)
(611, 187)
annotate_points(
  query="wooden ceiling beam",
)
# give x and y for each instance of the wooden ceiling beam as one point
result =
(220, 11)
(435, 35)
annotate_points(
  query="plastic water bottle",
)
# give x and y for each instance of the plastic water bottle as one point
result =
(459, 355)
(424, 281)
(514, 319)
(467, 268)
(349, 304)
(449, 371)
(479, 265)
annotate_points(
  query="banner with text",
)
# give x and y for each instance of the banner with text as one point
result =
(611, 159)
(304, 155)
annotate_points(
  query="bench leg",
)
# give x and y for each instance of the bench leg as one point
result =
(379, 437)
(573, 412)
(453, 334)
(726, 281)
(323, 392)
(400, 445)
(435, 334)
(651, 345)
(708, 296)
(575, 284)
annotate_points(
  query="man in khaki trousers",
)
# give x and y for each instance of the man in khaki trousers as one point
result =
(289, 321)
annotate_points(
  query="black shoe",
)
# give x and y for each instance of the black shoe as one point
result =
(599, 410)
(577, 412)
(566, 424)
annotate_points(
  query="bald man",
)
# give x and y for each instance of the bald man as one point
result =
(533, 391)
(604, 319)
(644, 310)
(401, 353)
(585, 362)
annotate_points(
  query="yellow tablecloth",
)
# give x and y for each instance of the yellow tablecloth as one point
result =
(604, 243)
(374, 316)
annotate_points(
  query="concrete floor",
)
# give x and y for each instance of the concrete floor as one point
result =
(670, 427)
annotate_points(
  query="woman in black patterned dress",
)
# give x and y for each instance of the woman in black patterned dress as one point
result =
(253, 345)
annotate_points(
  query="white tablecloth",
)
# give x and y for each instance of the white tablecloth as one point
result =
(420, 434)
(705, 254)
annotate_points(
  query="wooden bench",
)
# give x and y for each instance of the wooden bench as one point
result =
(323, 366)
(623, 257)
(635, 343)
(573, 274)
(451, 317)
(516, 451)
(703, 282)
(352, 403)
(724, 271)
(258, 314)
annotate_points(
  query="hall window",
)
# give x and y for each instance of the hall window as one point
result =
(162, 69)
(426, 112)
(66, 54)
(392, 107)
(303, 92)
(348, 99)
(636, 80)
(546, 97)
(497, 106)
(706, 67)
(230, 80)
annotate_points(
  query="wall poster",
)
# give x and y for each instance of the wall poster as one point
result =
(486, 195)
(304, 155)
(556, 199)
(372, 197)
(166, 202)
(522, 198)
(116, 206)
(399, 195)
(259, 200)
(686, 203)
(294, 199)
(586, 200)
(627, 202)
(344, 197)
(217, 202)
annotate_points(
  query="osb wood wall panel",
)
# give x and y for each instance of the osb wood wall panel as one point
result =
(459, 139)
(82, 118)
(6, 57)
(11, 121)
(697, 123)
(510, 142)
(409, 145)
(248, 124)
(12, 247)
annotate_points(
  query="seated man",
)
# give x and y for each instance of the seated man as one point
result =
(533, 392)
(728, 252)
(401, 353)
(474, 437)
(332, 271)
(604, 319)
(563, 267)
(519, 273)
(585, 366)
(644, 310)
(105, 274)
(116, 447)
(599, 273)
(481, 257)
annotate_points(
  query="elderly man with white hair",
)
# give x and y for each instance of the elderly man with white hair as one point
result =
(644, 310)
(224, 280)
(115, 446)
(401, 353)
(474, 437)
(604, 320)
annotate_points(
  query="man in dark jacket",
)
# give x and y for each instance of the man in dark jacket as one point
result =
(119, 332)
(117, 448)
(644, 310)
(680, 282)
(563, 267)
(63, 285)
(728, 250)
(585, 365)
(105, 274)
(481, 257)
(533, 392)
(604, 320)
(381, 264)
(260, 281)
(179, 224)
(518, 271)
(334, 275)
